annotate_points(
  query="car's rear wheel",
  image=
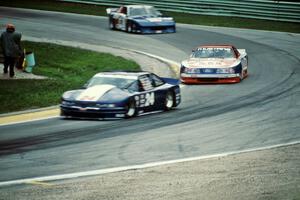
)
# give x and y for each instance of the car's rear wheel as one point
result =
(130, 109)
(169, 101)
(129, 28)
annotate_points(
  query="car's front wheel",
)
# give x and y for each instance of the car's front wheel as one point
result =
(64, 115)
(111, 24)
(131, 110)
(169, 101)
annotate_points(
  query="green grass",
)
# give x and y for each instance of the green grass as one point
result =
(67, 68)
(235, 22)
(179, 17)
(54, 5)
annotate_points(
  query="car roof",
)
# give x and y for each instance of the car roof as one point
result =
(129, 75)
(216, 46)
(138, 6)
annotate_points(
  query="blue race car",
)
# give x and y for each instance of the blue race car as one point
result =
(121, 95)
(140, 19)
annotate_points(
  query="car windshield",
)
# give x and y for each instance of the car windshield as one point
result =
(116, 81)
(213, 53)
(144, 11)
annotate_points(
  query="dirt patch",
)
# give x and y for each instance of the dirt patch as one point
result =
(19, 74)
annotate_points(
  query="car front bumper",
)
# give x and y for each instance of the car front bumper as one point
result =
(92, 112)
(157, 29)
(209, 78)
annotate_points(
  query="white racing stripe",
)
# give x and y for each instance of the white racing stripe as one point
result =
(101, 74)
(133, 167)
(94, 93)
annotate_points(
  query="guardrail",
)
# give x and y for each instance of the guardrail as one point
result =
(257, 9)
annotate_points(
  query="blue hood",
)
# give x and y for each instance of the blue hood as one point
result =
(98, 93)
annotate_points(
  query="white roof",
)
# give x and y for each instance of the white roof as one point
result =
(124, 76)
(139, 6)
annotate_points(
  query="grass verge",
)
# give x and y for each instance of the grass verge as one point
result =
(179, 17)
(67, 68)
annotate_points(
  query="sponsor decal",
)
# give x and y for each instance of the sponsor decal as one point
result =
(210, 62)
(146, 83)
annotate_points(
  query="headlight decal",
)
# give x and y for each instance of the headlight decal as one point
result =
(67, 103)
(238, 68)
(189, 70)
(225, 71)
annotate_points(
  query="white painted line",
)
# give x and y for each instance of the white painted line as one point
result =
(134, 167)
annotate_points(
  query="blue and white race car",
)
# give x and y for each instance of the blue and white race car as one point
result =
(121, 95)
(140, 19)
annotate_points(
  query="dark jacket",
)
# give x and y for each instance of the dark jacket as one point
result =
(11, 44)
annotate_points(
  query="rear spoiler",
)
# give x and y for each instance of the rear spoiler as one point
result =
(111, 10)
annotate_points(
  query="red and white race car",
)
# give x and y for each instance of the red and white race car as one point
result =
(215, 64)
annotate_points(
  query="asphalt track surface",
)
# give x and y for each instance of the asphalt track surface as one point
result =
(262, 110)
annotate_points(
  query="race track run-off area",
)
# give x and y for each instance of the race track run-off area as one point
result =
(263, 110)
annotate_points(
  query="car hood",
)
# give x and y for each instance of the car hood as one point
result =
(210, 62)
(154, 21)
(96, 93)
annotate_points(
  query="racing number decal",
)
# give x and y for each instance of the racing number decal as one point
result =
(150, 99)
(145, 100)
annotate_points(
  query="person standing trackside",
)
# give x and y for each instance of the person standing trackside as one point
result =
(11, 46)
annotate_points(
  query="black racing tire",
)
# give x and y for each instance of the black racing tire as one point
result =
(111, 24)
(64, 115)
(131, 110)
(169, 101)
(129, 28)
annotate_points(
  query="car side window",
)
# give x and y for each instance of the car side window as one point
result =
(156, 81)
(146, 83)
(134, 87)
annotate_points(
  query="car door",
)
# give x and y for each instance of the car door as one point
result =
(160, 91)
(150, 96)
